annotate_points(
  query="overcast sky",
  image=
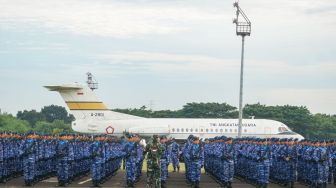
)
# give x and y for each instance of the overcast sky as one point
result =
(169, 52)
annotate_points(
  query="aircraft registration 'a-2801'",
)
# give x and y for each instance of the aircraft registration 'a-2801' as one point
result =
(93, 116)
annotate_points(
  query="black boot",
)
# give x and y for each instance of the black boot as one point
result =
(130, 184)
(229, 184)
(197, 184)
(163, 184)
(193, 184)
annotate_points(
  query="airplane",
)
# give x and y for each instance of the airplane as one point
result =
(93, 116)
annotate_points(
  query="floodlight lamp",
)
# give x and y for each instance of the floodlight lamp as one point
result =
(234, 21)
(235, 4)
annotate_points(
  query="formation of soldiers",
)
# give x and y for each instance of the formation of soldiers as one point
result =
(282, 161)
(67, 156)
(219, 156)
(258, 161)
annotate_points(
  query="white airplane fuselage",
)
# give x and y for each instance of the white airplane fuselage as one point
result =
(181, 128)
(92, 116)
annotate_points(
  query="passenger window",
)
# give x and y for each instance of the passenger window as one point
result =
(177, 130)
(230, 130)
(211, 130)
(191, 130)
(216, 130)
(187, 129)
(201, 130)
(173, 130)
(226, 130)
(196, 130)
(221, 130)
(245, 130)
(182, 130)
(206, 130)
(235, 130)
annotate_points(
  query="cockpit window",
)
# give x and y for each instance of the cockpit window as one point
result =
(283, 129)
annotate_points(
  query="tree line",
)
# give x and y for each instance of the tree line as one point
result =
(51, 119)
(55, 119)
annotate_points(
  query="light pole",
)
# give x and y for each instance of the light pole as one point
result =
(243, 28)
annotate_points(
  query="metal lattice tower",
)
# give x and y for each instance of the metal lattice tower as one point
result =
(243, 28)
(91, 82)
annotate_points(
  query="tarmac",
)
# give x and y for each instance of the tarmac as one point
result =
(175, 180)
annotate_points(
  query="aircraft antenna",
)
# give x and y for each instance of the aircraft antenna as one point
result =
(243, 28)
(91, 81)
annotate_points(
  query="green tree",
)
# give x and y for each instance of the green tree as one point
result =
(208, 110)
(10, 123)
(57, 126)
(54, 112)
(31, 116)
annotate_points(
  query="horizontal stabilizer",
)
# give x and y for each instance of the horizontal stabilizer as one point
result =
(63, 87)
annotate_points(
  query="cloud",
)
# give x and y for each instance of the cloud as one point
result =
(174, 63)
(102, 18)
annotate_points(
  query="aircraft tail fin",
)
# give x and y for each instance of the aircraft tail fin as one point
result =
(83, 103)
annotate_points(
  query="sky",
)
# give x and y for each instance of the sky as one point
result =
(166, 53)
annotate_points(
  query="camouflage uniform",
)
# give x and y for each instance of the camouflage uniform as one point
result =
(154, 150)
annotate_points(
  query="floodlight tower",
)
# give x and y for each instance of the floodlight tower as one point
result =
(243, 29)
(91, 82)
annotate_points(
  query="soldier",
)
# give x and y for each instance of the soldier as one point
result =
(196, 163)
(131, 158)
(63, 160)
(186, 157)
(2, 157)
(97, 169)
(164, 161)
(175, 150)
(333, 159)
(320, 157)
(154, 151)
(29, 159)
(262, 157)
(227, 163)
(140, 157)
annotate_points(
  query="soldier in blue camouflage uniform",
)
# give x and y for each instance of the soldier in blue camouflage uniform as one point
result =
(98, 152)
(284, 158)
(196, 162)
(164, 160)
(262, 157)
(333, 159)
(227, 164)
(320, 158)
(2, 157)
(64, 160)
(29, 159)
(131, 158)
(175, 151)
(186, 157)
(140, 157)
